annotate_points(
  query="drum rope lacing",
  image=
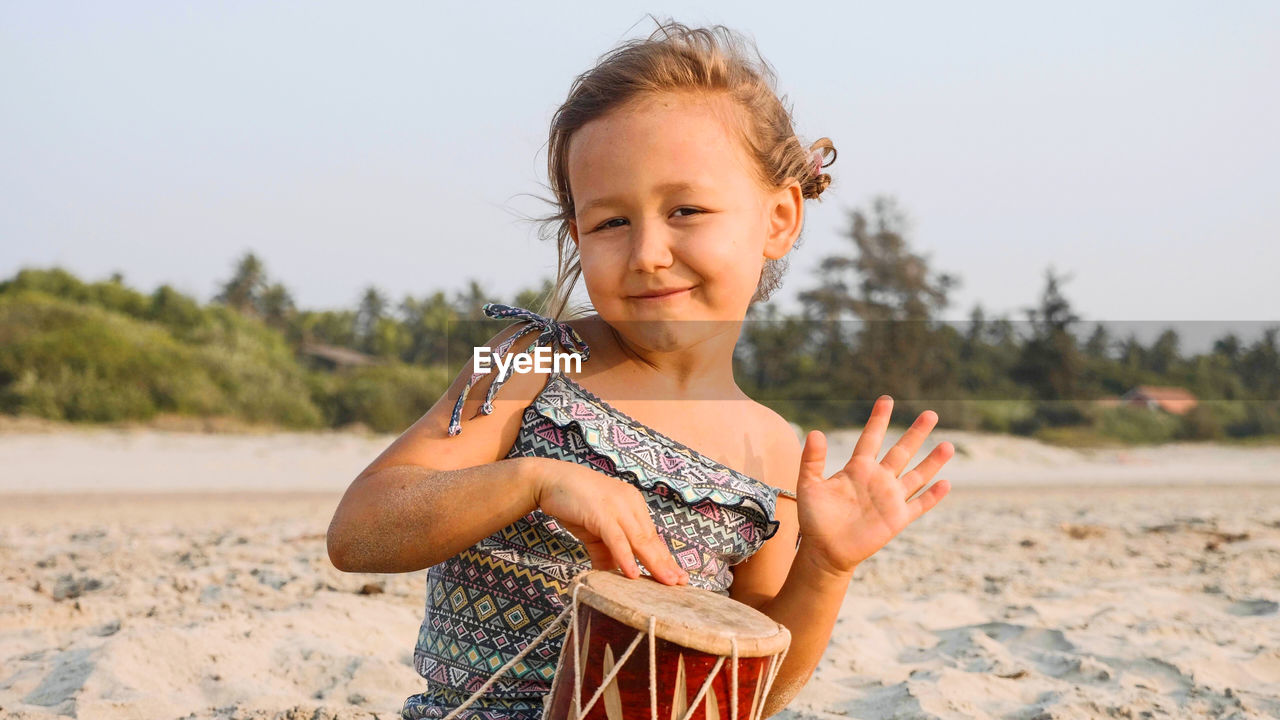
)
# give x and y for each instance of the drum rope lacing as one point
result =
(571, 613)
(578, 670)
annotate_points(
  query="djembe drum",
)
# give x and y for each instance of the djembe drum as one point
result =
(639, 649)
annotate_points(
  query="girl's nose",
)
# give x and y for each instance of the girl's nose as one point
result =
(650, 247)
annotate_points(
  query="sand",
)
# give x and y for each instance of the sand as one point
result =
(177, 575)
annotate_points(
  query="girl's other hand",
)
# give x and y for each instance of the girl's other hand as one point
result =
(611, 519)
(849, 516)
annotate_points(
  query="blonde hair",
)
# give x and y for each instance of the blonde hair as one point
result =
(677, 58)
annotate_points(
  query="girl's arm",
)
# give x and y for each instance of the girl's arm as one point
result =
(431, 495)
(416, 503)
(409, 517)
(842, 520)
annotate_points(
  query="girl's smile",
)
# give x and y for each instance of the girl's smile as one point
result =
(664, 294)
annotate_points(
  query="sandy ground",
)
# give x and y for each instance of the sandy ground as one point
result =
(171, 575)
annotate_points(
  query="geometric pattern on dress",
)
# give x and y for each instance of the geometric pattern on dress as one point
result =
(488, 602)
(440, 702)
(706, 537)
(653, 458)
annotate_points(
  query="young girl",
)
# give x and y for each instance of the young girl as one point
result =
(680, 185)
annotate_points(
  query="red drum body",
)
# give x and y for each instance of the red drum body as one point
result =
(638, 649)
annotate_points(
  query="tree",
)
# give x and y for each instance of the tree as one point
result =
(986, 350)
(1098, 346)
(472, 328)
(471, 301)
(1163, 355)
(1260, 366)
(774, 347)
(1228, 346)
(277, 307)
(172, 308)
(892, 290)
(373, 307)
(974, 332)
(1050, 363)
(244, 290)
(331, 327)
(428, 321)
(536, 299)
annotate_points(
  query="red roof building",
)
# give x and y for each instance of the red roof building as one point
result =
(1171, 399)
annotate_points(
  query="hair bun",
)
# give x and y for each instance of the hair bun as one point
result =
(817, 180)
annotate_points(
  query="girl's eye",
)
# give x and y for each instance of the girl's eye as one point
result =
(606, 224)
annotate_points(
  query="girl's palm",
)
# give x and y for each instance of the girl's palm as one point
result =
(849, 516)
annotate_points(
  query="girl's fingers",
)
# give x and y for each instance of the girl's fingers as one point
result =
(649, 547)
(928, 499)
(873, 434)
(601, 558)
(907, 446)
(657, 558)
(616, 541)
(813, 458)
(924, 472)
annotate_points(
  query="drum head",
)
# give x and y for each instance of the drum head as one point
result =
(688, 616)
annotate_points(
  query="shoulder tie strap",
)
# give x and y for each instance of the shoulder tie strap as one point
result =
(552, 332)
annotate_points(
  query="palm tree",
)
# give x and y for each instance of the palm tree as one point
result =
(373, 307)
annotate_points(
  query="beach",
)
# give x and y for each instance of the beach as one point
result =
(152, 574)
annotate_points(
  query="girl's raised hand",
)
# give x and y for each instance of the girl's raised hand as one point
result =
(611, 519)
(847, 517)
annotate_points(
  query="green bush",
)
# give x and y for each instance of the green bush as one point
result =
(1219, 419)
(256, 371)
(1136, 425)
(56, 282)
(1200, 423)
(1003, 416)
(67, 361)
(1065, 413)
(1078, 436)
(1255, 417)
(385, 398)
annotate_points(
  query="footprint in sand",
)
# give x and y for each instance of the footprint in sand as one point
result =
(1251, 608)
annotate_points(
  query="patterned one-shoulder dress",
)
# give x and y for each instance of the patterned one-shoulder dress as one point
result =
(487, 603)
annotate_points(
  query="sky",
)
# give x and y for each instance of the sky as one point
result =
(1130, 146)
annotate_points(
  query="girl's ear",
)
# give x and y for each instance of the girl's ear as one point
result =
(573, 231)
(786, 218)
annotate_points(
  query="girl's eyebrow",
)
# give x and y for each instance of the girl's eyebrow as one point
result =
(680, 186)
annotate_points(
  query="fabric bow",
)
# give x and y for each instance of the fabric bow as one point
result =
(551, 333)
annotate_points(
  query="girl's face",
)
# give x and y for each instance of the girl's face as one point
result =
(667, 201)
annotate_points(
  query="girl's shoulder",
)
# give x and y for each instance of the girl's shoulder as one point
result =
(492, 422)
(783, 448)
